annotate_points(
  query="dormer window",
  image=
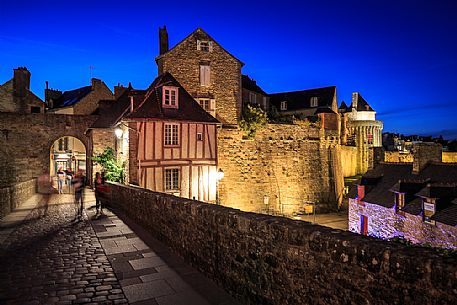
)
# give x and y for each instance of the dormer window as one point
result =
(314, 101)
(283, 105)
(170, 97)
(429, 207)
(204, 45)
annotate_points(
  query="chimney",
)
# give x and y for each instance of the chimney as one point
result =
(118, 90)
(424, 153)
(21, 82)
(163, 40)
(95, 83)
(355, 98)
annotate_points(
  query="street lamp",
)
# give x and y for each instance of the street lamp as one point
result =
(118, 132)
(219, 176)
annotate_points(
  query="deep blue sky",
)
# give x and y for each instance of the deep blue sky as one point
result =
(400, 55)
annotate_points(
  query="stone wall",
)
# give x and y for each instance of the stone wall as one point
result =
(90, 102)
(449, 157)
(263, 259)
(26, 140)
(290, 164)
(397, 157)
(386, 223)
(349, 160)
(11, 197)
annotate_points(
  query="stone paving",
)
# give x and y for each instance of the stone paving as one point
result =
(47, 256)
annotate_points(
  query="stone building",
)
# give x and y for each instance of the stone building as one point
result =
(15, 94)
(82, 101)
(206, 70)
(415, 201)
(254, 95)
(359, 128)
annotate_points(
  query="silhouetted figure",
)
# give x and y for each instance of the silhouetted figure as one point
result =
(60, 180)
(79, 182)
(44, 188)
(99, 189)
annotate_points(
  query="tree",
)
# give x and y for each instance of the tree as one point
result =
(113, 170)
(253, 118)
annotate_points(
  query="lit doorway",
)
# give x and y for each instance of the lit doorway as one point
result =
(68, 154)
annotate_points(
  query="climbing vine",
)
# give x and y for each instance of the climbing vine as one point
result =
(113, 170)
(253, 118)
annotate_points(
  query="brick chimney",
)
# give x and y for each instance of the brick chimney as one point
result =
(425, 153)
(355, 98)
(95, 83)
(163, 40)
(21, 82)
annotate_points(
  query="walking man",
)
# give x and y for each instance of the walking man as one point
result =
(79, 182)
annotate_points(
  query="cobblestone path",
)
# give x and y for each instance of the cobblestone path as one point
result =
(51, 258)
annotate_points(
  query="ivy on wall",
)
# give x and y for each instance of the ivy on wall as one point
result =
(113, 170)
(253, 118)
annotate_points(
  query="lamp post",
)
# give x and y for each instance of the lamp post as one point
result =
(219, 176)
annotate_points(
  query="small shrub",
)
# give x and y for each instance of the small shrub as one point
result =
(253, 118)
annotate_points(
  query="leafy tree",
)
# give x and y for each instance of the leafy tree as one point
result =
(113, 170)
(253, 118)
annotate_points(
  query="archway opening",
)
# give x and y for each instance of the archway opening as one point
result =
(67, 154)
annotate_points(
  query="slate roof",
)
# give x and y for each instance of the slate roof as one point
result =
(343, 107)
(436, 180)
(151, 107)
(301, 100)
(69, 98)
(362, 104)
(111, 112)
(251, 85)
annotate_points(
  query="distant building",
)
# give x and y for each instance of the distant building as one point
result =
(15, 94)
(252, 94)
(415, 201)
(360, 128)
(80, 101)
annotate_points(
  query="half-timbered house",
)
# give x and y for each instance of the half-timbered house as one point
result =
(176, 147)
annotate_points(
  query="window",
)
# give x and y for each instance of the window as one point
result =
(314, 101)
(252, 98)
(204, 45)
(363, 225)
(199, 136)
(171, 179)
(370, 138)
(204, 75)
(399, 202)
(205, 103)
(283, 105)
(63, 144)
(171, 134)
(170, 97)
(264, 103)
(35, 109)
(429, 207)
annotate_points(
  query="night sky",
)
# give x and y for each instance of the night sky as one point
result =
(400, 55)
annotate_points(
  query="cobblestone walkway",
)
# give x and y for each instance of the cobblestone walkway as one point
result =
(49, 257)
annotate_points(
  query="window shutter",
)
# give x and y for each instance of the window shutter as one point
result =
(199, 45)
(210, 44)
(212, 107)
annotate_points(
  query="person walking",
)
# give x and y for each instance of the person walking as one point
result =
(79, 182)
(98, 184)
(60, 180)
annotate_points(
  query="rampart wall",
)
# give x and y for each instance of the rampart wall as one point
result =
(264, 259)
(12, 196)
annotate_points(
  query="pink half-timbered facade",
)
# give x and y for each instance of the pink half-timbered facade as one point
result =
(176, 142)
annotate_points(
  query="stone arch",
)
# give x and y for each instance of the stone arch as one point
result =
(68, 152)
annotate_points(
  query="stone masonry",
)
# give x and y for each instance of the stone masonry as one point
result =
(183, 62)
(26, 140)
(290, 164)
(273, 260)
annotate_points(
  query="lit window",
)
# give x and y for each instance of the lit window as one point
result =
(170, 97)
(283, 105)
(171, 179)
(399, 201)
(252, 98)
(370, 138)
(314, 101)
(199, 136)
(204, 45)
(429, 209)
(204, 75)
(171, 134)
